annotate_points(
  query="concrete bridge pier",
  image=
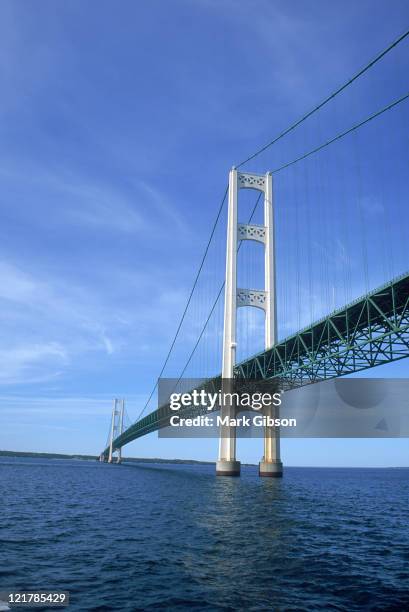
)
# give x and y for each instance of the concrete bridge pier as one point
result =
(227, 465)
(270, 465)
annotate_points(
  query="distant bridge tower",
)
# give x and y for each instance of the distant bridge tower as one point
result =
(117, 425)
(227, 465)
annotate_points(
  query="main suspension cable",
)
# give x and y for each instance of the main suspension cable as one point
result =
(219, 212)
(326, 100)
(342, 134)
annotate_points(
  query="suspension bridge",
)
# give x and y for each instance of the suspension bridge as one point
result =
(342, 202)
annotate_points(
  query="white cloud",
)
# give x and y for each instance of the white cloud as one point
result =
(72, 406)
(49, 323)
(14, 285)
(26, 363)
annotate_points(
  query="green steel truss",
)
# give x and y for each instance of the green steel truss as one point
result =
(370, 331)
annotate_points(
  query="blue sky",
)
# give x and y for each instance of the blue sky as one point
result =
(119, 123)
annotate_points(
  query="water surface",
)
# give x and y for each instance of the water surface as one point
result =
(174, 537)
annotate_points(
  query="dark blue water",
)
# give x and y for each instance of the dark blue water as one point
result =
(148, 537)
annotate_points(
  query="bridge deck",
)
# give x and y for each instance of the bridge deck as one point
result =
(370, 331)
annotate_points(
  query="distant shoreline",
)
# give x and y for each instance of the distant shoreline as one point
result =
(5, 453)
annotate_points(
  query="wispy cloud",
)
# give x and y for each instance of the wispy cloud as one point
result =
(25, 363)
(48, 324)
(72, 197)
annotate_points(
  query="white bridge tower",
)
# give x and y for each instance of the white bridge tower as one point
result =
(235, 297)
(117, 425)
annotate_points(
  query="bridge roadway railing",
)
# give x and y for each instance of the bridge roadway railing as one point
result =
(370, 331)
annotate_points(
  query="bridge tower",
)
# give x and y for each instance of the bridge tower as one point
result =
(117, 425)
(227, 464)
